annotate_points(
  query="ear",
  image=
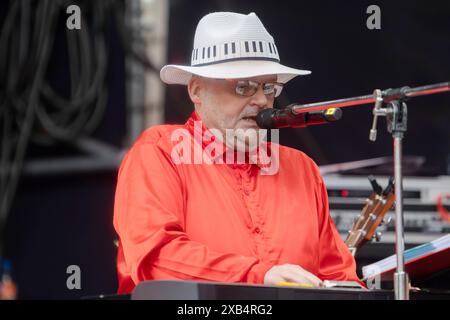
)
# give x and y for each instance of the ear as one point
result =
(194, 87)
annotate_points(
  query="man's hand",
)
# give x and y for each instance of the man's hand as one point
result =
(291, 273)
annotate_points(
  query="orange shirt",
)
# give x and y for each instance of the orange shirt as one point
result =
(221, 222)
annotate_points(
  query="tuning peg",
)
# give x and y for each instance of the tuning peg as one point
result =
(377, 236)
(387, 219)
(389, 187)
(375, 186)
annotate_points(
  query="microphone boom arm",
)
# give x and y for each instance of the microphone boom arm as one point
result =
(388, 95)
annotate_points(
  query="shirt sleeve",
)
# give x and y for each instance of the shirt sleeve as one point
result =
(149, 219)
(336, 261)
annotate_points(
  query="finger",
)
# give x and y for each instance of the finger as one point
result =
(306, 272)
(273, 279)
(300, 278)
(311, 276)
(315, 280)
(307, 276)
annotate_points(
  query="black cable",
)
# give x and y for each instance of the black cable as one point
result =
(31, 110)
(64, 119)
(25, 132)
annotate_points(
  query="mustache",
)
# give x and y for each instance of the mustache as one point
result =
(252, 113)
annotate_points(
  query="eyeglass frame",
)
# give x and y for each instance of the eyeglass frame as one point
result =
(277, 92)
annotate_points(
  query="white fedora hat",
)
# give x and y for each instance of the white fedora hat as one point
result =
(230, 45)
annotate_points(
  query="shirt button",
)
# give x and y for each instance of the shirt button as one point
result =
(257, 230)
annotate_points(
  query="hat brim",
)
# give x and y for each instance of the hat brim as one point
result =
(178, 74)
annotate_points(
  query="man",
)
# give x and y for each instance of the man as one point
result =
(220, 220)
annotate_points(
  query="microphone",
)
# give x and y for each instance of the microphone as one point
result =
(284, 118)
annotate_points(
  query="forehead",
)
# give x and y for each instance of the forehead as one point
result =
(265, 78)
(219, 83)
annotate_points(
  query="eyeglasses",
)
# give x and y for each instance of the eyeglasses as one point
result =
(248, 88)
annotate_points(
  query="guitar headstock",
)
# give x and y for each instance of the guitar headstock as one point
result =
(372, 215)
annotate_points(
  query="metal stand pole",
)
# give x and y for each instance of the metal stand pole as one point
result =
(401, 282)
(396, 116)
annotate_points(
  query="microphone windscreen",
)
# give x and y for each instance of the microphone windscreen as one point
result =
(264, 119)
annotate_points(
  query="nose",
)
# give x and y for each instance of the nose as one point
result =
(259, 99)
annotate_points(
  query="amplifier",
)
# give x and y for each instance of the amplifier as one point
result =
(347, 195)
